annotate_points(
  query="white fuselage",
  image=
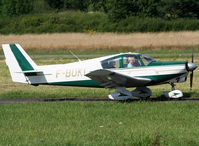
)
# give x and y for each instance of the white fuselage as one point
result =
(76, 71)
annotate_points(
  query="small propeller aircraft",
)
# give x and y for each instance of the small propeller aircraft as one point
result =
(118, 72)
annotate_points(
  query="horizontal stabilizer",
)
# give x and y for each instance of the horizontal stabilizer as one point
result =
(31, 73)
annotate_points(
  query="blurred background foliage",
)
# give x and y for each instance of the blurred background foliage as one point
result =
(40, 16)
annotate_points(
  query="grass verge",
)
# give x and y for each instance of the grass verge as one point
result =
(100, 123)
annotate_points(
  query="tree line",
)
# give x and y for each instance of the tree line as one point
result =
(115, 9)
(49, 16)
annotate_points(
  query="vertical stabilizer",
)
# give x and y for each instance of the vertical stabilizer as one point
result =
(18, 61)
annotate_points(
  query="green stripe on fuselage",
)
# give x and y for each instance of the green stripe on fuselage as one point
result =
(83, 83)
(22, 61)
(156, 79)
(165, 63)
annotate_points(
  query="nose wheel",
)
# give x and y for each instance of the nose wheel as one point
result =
(174, 93)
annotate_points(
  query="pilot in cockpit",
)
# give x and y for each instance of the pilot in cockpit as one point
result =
(130, 62)
(133, 62)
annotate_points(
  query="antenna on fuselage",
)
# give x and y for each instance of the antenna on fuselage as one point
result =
(74, 55)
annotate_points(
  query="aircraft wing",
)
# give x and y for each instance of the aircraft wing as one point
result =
(112, 79)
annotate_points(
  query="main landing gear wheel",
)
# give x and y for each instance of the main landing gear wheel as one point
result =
(120, 94)
(142, 93)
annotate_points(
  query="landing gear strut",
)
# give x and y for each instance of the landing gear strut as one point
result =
(172, 86)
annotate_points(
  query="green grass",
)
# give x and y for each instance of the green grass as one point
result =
(165, 52)
(172, 51)
(156, 52)
(100, 123)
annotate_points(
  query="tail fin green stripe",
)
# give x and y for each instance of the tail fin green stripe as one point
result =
(22, 61)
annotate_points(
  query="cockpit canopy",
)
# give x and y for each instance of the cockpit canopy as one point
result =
(127, 61)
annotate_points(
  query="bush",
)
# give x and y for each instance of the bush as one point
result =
(55, 4)
(172, 9)
(90, 22)
(16, 7)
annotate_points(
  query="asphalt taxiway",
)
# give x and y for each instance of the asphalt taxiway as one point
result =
(76, 99)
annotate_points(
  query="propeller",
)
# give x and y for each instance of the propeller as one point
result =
(191, 74)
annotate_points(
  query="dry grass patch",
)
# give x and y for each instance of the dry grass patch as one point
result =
(104, 41)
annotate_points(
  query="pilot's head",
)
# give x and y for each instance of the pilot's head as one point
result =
(130, 60)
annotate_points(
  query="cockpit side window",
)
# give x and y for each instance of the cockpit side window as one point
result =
(126, 61)
(131, 61)
(146, 59)
(111, 63)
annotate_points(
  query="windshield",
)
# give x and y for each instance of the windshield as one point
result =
(146, 59)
